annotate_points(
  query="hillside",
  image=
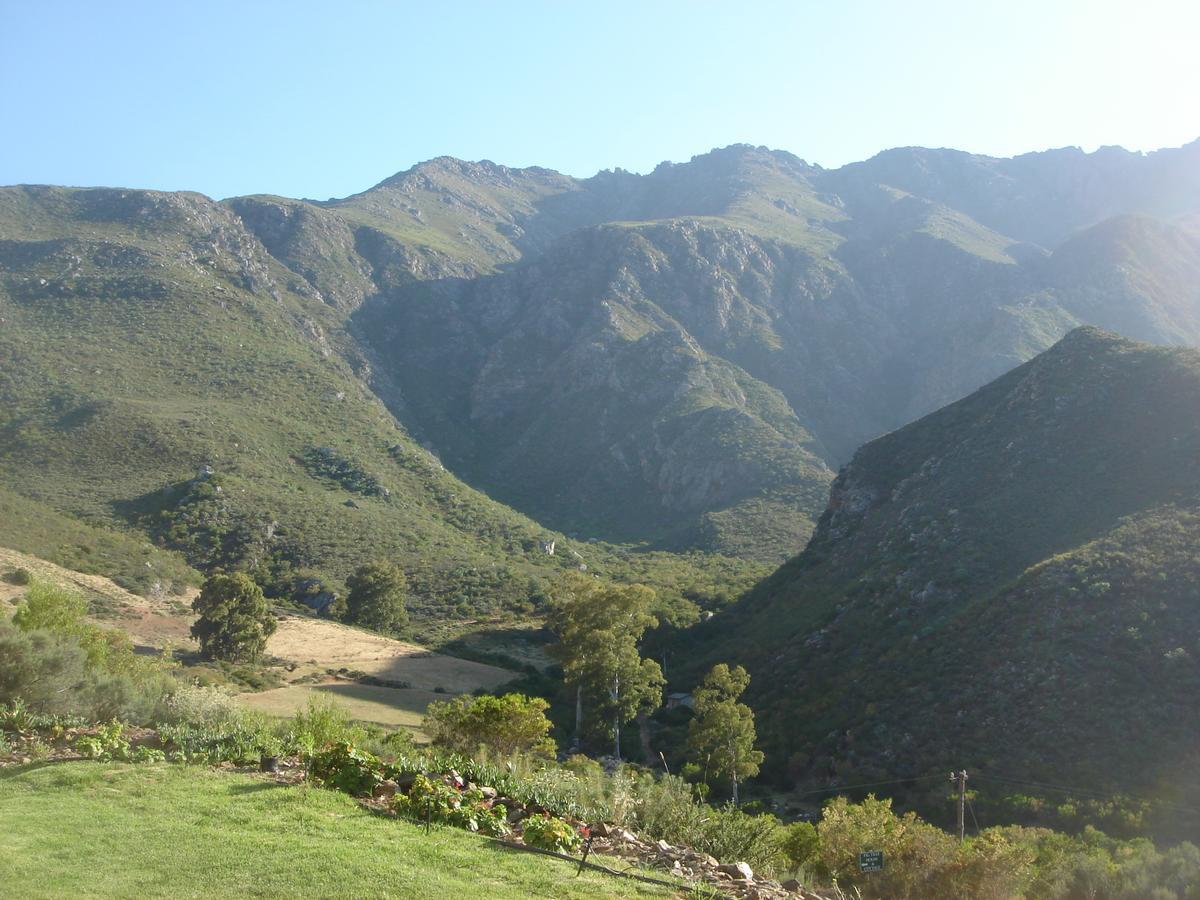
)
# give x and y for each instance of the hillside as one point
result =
(632, 366)
(862, 297)
(162, 375)
(1007, 585)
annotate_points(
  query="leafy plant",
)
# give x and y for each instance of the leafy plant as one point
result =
(108, 743)
(551, 833)
(343, 767)
(16, 716)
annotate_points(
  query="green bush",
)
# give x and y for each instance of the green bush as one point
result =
(551, 833)
(206, 725)
(503, 726)
(58, 663)
(343, 767)
(320, 724)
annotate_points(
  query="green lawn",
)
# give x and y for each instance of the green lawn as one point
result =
(112, 830)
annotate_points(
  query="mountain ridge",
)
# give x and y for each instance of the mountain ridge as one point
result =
(1003, 585)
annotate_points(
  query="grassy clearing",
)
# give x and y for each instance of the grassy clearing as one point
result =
(392, 707)
(319, 644)
(93, 829)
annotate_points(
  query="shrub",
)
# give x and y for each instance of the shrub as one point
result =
(47, 672)
(320, 724)
(551, 833)
(50, 608)
(668, 809)
(201, 705)
(205, 725)
(343, 767)
(504, 725)
(60, 663)
(108, 743)
(799, 845)
(19, 577)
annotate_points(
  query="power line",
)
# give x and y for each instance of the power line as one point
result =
(855, 787)
(1087, 793)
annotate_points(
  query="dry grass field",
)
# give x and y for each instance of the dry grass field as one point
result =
(303, 649)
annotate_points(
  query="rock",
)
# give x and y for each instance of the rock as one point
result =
(386, 790)
(602, 830)
(792, 886)
(516, 814)
(489, 793)
(737, 870)
(405, 780)
(663, 846)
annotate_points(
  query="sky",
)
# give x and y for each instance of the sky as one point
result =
(319, 99)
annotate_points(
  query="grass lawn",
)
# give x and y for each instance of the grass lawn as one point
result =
(115, 830)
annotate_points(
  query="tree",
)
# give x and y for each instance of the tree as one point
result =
(50, 608)
(504, 725)
(376, 598)
(722, 733)
(234, 619)
(598, 627)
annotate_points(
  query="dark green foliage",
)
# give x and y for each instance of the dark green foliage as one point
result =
(234, 618)
(325, 462)
(376, 598)
(45, 670)
(57, 662)
(19, 577)
(1007, 586)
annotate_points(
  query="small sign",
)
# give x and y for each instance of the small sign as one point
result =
(871, 861)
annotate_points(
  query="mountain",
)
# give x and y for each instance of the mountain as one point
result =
(854, 301)
(1007, 585)
(1045, 197)
(163, 375)
(675, 362)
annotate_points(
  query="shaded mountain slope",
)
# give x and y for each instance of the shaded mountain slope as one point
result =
(1007, 584)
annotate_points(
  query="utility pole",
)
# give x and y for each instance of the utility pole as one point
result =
(960, 778)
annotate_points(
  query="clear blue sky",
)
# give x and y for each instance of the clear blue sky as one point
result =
(325, 99)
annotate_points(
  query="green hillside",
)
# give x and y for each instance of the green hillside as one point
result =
(1007, 585)
(147, 338)
(660, 373)
(95, 829)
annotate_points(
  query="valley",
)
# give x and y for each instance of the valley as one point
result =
(913, 440)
